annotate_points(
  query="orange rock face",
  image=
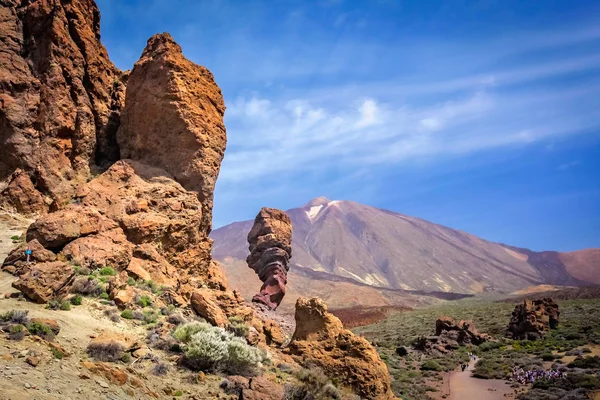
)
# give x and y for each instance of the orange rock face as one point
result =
(270, 251)
(60, 97)
(320, 339)
(173, 119)
(46, 281)
(532, 319)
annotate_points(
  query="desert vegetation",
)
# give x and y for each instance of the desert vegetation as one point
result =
(416, 375)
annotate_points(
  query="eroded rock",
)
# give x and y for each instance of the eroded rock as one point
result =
(532, 319)
(59, 91)
(320, 339)
(173, 119)
(270, 248)
(45, 281)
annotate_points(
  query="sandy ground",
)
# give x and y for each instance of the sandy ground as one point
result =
(463, 386)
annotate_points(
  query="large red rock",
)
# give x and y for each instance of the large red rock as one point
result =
(18, 257)
(21, 194)
(532, 319)
(270, 248)
(173, 119)
(59, 228)
(321, 340)
(108, 248)
(60, 97)
(46, 281)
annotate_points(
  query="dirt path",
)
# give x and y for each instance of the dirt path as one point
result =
(463, 386)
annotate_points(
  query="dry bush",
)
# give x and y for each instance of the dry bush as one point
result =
(108, 351)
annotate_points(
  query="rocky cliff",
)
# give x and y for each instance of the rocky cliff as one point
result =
(61, 99)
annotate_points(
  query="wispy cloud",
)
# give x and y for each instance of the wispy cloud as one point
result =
(569, 165)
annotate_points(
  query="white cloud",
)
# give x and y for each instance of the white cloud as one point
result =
(369, 114)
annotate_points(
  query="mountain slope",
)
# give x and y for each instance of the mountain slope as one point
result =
(344, 240)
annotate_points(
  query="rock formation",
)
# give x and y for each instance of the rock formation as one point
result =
(320, 339)
(270, 248)
(532, 319)
(449, 335)
(173, 119)
(60, 100)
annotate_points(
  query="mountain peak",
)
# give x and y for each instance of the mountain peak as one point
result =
(317, 201)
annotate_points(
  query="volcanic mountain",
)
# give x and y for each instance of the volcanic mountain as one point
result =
(342, 250)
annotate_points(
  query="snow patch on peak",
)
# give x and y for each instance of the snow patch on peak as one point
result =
(314, 211)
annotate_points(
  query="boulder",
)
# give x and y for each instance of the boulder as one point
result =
(108, 248)
(321, 340)
(270, 248)
(46, 281)
(59, 228)
(60, 99)
(39, 254)
(206, 304)
(533, 318)
(173, 119)
(22, 195)
(261, 388)
(449, 336)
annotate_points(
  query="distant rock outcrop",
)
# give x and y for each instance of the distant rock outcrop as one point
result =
(270, 251)
(320, 339)
(532, 319)
(60, 100)
(173, 120)
(449, 336)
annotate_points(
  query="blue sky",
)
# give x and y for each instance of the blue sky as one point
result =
(481, 115)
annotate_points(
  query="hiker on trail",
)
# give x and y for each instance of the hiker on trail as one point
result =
(463, 367)
(28, 253)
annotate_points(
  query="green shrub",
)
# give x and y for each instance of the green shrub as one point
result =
(127, 314)
(144, 301)
(212, 348)
(150, 317)
(126, 358)
(431, 365)
(65, 305)
(57, 353)
(312, 384)
(40, 329)
(104, 296)
(487, 346)
(238, 326)
(107, 271)
(16, 332)
(585, 362)
(548, 357)
(178, 393)
(15, 237)
(77, 300)
(131, 281)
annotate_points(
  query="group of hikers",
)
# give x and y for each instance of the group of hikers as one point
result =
(524, 377)
(472, 357)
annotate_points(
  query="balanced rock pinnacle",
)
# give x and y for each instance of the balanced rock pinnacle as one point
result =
(270, 248)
